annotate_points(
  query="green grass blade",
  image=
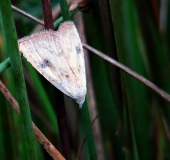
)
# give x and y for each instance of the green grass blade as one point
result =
(103, 88)
(4, 65)
(88, 131)
(84, 112)
(42, 94)
(2, 151)
(64, 10)
(14, 125)
(128, 41)
(12, 49)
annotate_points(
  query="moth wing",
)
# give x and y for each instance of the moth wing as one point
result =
(42, 55)
(30, 52)
(59, 57)
(61, 69)
(73, 53)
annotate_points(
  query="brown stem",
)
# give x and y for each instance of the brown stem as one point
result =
(155, 88)
(47, 145)
(60, 106)
(47, 13)
(27, 15)
(62, 125)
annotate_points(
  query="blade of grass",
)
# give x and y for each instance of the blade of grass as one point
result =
(16, 124)
(103, 88)
(2, 151)
(156, 44)
(128, 42)
(111, 51)
(91, 100)
(27, 15)
(12, 49)
(48, 108)
(38, 134)
(64, 10)
(84, 112)
(85, 117)
(159, 91)
(4, 65)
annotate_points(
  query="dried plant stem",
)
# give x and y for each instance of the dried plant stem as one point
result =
(47, 14)
(159, 91)
(41, 22)
(56, 12)
(60, 105)
(155, 88)
(27, 15)
(48, 146)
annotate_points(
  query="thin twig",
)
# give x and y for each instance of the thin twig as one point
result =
(56, 23)
(9, 97)
(27, 15)
(48, 146)
(155, 88)
(159, 91)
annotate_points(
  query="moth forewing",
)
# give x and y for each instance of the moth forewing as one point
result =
(59, 57)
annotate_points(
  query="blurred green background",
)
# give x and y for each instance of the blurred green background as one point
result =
(132, 121)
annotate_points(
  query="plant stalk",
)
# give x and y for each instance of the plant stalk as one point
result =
(60, 106)
(12, 49)
(64, 10)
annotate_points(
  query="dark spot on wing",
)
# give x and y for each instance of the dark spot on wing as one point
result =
(67, 76)
(46, 63)
(78, 50)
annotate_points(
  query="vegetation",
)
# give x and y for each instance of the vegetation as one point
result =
(122, 118)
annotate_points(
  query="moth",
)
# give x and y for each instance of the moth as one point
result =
(58, 56)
